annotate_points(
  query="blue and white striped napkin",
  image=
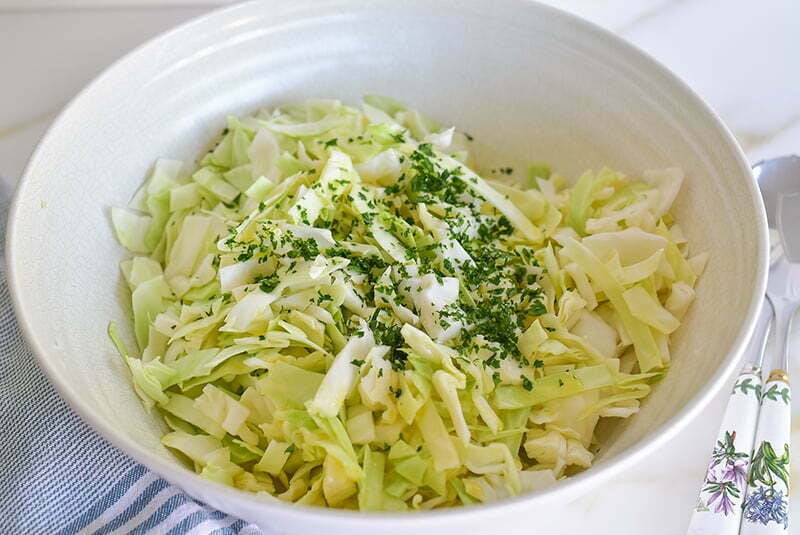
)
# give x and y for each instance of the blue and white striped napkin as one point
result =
(59, 476)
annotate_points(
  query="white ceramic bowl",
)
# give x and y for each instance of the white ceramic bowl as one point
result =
(529, 82)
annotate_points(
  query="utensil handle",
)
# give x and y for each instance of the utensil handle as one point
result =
(766, 506)
(719, 504)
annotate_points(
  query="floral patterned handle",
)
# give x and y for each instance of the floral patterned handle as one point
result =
(766, 507)
(719, 505)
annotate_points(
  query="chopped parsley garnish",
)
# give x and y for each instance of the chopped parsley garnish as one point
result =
(537, 308)
(527, 384)
(267, 283)
(305, 248)
(386, 330)
(431, 182)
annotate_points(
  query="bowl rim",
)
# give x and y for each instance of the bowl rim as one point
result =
(182, 477)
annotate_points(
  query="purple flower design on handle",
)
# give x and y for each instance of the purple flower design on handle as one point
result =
(722, 495)
(736, 472)
(725, 478)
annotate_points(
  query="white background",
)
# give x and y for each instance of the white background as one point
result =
(742, 56)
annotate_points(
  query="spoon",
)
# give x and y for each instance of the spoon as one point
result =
(725, 491)
(766, 506)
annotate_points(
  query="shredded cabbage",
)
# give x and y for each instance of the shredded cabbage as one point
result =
(335, 308)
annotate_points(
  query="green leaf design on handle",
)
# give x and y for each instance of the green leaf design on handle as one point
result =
(746, 386)
(766, 466)
(774, 392)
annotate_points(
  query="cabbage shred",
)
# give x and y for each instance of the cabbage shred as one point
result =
(335, 309)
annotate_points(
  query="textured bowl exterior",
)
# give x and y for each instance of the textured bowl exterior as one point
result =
(530, 83)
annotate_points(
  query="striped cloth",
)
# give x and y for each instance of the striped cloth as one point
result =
(59, 476)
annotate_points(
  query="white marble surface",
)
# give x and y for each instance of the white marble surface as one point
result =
(739, 55)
